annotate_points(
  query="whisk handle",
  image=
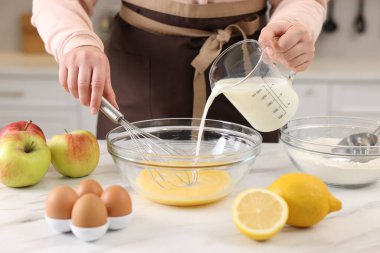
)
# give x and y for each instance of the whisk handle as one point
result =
(110, 111)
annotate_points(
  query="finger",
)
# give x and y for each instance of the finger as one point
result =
(302, 66)
(294, 52)
(269, 34)
(266, 41)
(109, 93)
(72, 81)
(84, 86)
(97, 87)
(291, 38)
(298, 61)
(63, 76)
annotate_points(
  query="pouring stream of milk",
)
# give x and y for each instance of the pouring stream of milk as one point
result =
(218, 89)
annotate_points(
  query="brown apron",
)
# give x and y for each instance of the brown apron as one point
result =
(160, 52)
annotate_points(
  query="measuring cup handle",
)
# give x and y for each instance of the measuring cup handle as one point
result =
(291, 76)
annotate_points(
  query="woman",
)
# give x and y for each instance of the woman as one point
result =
(160, 50)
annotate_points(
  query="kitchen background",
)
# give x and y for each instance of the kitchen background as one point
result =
(343, 80)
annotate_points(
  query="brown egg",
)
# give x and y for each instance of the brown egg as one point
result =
(117, 200)
(89, 186)
(60, 202)
(89, 212)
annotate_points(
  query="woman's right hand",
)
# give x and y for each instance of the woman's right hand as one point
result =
(84, 72)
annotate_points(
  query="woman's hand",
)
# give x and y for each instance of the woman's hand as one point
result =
(289, 44)
(84, 72)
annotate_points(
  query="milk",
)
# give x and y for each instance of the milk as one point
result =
(267, 103)
(214, 93)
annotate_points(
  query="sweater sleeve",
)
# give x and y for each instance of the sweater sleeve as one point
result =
(64, 25)
(310, 13)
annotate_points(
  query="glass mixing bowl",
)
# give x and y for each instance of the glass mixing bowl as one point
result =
(311, 144)
(227, 153)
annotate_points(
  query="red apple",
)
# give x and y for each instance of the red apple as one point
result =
(74, 154)
(22, 126)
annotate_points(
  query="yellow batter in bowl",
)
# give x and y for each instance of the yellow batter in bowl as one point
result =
(168, 187)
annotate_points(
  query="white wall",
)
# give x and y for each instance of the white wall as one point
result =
(345, 42)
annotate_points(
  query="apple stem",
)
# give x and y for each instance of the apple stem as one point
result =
(66, 131)
(27, 125)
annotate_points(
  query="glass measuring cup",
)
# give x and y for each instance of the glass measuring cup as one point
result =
(254, 85)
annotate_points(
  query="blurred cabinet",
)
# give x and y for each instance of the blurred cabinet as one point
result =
(345, 97)
(313, 98)
(40, 98)
(356, 98)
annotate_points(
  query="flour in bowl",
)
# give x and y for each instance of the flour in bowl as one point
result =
(335, 169)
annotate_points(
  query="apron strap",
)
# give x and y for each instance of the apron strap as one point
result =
(212, 10)
(208, 52)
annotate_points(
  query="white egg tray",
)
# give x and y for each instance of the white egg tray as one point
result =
(88, 234)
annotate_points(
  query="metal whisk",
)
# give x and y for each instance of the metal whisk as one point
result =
(149, 144)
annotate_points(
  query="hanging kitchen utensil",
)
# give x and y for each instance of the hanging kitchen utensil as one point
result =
(359, 23)
(330, 25)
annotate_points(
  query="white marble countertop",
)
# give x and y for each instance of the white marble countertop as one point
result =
(159, 228)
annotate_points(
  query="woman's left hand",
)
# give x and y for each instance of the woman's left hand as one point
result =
(289, 44)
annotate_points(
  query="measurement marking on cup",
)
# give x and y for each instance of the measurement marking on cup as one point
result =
(279, 102)
(269, 96)
(257, 92)
(274, 92)
(276, 100)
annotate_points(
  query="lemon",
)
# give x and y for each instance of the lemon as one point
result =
(308, 198)
(259, 213)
